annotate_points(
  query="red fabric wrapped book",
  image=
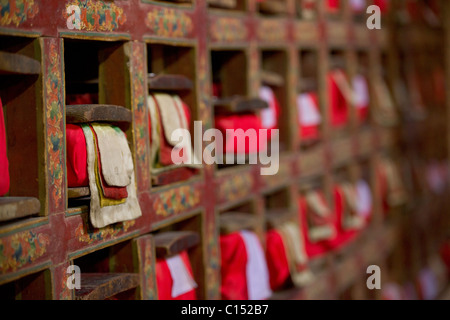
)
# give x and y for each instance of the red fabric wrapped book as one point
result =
(174, 278)
(339, 95)
(309, 117)
(317, 224)
(233, 267)
(4, 164)
(277, 260)
(77, 173)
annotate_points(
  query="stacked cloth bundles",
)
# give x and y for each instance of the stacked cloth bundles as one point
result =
(4, 164)
(174, 278)
(244, 270)
(98, 156)
(286, 257)
(168, 113)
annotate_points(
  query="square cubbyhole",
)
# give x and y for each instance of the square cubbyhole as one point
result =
(22, 130)
(233, 5)
(172, 103)
(180, 248)
(36, 286)
(307, 10)
(273, 7)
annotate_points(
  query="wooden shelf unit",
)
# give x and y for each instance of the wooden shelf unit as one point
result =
(205, 39)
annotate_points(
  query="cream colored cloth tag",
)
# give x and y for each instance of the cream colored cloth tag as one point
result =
(344, 85)
(172, 115)
(154, 119)
(113, 147)
(101, 217)
(268, 116)
(361, 91)
(296, 254)
(308, 111)
(316, 203)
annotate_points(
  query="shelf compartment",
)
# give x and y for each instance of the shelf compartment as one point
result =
(86, 113)
(227, 4)
(238, 104)
(169, 82)
(17, 64)
(18, 207)
(174, 242)
(96, 286)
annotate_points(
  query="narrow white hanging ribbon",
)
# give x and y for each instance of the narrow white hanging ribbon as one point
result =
(257, 273)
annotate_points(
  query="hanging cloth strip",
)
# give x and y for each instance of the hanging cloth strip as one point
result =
(309, 117)
(103, 216)
(108, 195)
(296, 254)
(257, 274)
(350, 219)
(168, 113)
(361, 97)
(4, 164)
(320, 218)
(271, 115)
(174, 278)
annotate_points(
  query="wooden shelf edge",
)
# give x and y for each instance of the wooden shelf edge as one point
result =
(17, 64)
(231, 222)
(18, 207)
(273, 7)
(172, 243)
(99, 286)
(86, 113)
(172, 174)
(169, 82)
(73, 193)
(224, 4)
(278, 217)
(238, 104)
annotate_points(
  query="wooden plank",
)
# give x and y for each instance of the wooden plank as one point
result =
(172, 174)
(13, 63)
(278, 217)
(172, 243)
(100, 286)
(226, 4)
(169, 82)
(78, 192)
(236, 221)
(238, 104)
(273, 7)
(85, 113)
(18, 207)
(272, 78)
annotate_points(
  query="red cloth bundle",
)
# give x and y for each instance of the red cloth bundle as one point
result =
(233, 267)
(337, 98)
(164, 280)
(277, 260)
(77, 173)
(308, 116)
(383, 5)
(333, 6)
(85, 98)
(313, 247)
(4, 164)
(244, 121)
(344, 235)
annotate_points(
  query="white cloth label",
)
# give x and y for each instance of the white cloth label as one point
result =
(308, 111)
(182, 279)
(268, 115)
(361, 92)
(258, 285)
(364, 198)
